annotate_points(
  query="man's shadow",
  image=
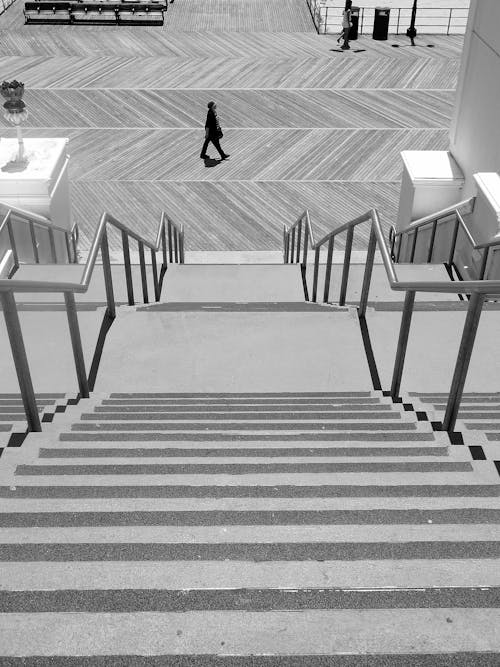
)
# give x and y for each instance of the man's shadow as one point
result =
(211, 162)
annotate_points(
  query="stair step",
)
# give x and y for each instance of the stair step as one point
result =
(220, 416)
(238, 426)
(165, 575)
(254, 518)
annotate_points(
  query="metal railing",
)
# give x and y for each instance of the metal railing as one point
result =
(430, 20)
(300, 237)
(406, 244)
(19, 228)
(170, 238)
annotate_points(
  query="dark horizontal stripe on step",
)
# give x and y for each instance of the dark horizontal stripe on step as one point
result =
(244, 468)
(254, 552)
(493, 437)
(236, 426)
(280, 491)
(247, 394)
(5, 427)
(91, 434)
(425, 306)
(15, 409)
(264, 452)
(482, 426)
(13, 417)
(487, 395)
(464, 659)
(240, 416)
(245, 599)
(177, 403)
(473, 516)
(476, 414)
(245, 409)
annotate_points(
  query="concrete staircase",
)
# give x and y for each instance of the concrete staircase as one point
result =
(211, 510)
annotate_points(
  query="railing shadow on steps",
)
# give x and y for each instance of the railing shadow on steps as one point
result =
(170, 237)
(299, 238)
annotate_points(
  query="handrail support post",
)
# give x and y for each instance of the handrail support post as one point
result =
(108, 278)
(370, 257)
(463, 359)
(404, 332)
(20, 360)
(76, 343)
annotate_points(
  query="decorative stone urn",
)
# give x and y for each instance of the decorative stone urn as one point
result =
(15, 113)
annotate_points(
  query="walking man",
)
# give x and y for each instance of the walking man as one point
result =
(212, 133)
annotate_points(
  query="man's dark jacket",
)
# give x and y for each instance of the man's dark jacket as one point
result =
(212, 124)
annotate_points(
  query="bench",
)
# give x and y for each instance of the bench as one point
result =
(47, 12)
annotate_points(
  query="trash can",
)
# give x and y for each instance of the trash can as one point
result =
(381, 23)
(353, 32)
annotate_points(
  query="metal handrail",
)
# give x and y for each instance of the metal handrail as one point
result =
(8, 287)
(34, 219)
(479, 290)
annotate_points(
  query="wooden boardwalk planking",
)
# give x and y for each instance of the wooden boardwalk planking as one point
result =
(306, 127)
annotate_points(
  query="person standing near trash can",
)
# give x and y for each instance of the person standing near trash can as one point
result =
(346, 25)
(213, 132)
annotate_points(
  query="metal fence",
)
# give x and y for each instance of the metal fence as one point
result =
(429, 20)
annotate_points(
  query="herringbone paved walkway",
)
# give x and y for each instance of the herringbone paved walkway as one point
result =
(306, 126)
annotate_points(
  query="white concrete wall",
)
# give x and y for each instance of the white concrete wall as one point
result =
(475, 131)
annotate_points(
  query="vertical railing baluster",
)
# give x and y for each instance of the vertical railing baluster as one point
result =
(68, 247)
(449, 21)
(75, 252)
(404, 332)
(170, 254)
(400, 244)
(370, 257)
(431, 243)
(16, 340)
(181, 246)
(13, 245)
(52, 243)
(128, 268)
(155, 275)
(463, 359)
(414, 245)
(164, 246)
(292, 253)
(176, 245)
(36, 257)
(76, 344)
(453, 245)
(399, 16)
(285, 258)
(484, 263)
(144, 281)
(347, 265)
(328, 272)
(306, 246)
(108, 277)
(315, 275)
(299, 239)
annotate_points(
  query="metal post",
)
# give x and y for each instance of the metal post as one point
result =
(370, 256)
(108, 278)
(68, 247)
(176, 245)
(315, 276)
(431, 243)
(347, 265)
(306, 246)
(76, 343)
(453, 243)
(34, 243)
(155, 275)
(328, 271)
(169, 226)
(299, 238)
(128, 269)
(463, 360)
(484, 263)
(12, 242)
(164, 246)
(143, 273)
(52, 242)
(20, 360)
(402, 343)
(449, 21)
(414, 245)
(292, 253)
(411, 32)
(181, 245)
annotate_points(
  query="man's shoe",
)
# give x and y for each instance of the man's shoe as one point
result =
(225, 156)
(345, 48)
(205, 157)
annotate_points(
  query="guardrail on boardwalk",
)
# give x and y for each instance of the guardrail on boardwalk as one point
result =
(429, 20)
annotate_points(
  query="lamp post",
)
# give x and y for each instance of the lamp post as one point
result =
(412, 31)
(15, 113)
